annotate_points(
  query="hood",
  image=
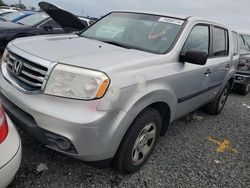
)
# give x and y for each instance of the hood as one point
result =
(79, 51)
(244, 52)
(68, 21)
(245, 55)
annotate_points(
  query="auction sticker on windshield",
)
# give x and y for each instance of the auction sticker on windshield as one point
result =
(171, 20)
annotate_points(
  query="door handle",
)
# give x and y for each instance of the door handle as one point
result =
(208, 72)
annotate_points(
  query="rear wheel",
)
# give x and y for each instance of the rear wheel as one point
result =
(139, 142)
(217, 105)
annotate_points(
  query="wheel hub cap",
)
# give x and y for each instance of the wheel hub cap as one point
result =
(144, 143)
(223, 98)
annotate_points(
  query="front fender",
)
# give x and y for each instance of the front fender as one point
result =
(139, 103)
(135, 103)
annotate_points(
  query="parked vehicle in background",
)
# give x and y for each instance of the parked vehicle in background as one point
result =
(242, 78)
(10, 150)
(10, 9)
(105, 95)
(92, 20)
(4, 13)
(7, 9)
(53, 21)
(64, 18)
(32, 25)
(16, 16)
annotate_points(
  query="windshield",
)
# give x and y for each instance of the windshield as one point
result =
(150, 33)
(33, 19)
(12, 16)
(247, 38)
(245, 42)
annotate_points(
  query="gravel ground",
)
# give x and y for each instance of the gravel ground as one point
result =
(183, 158)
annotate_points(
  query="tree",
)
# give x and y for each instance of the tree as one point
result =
(2, 3)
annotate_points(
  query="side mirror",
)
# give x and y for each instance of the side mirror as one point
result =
(194, 56)
(48, 28)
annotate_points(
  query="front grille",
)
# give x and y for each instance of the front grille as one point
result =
(28, 75)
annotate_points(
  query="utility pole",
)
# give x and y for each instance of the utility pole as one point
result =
(20, 2)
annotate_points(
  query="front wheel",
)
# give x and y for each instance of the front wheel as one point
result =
(244, 89)
(217, 105)
(139, 142)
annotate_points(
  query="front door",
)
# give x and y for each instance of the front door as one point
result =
(193, 79)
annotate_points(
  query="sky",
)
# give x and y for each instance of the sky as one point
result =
(234, 13)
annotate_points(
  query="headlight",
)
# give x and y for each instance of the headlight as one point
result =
(76, 83)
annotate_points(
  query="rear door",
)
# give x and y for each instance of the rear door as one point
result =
(220, 59)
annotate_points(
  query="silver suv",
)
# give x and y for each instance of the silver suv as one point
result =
(106, 94)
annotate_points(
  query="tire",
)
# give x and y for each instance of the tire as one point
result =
(215, 107)
(244, 89)
(137, 144)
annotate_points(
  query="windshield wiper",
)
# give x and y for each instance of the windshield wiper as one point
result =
(116, 44)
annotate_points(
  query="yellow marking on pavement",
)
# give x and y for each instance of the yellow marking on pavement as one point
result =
(222, 146)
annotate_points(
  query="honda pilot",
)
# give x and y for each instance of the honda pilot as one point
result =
(105, 95)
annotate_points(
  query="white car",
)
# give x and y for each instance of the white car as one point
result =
(10, 150)
(9, 9)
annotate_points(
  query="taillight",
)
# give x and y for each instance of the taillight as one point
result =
(3, 125)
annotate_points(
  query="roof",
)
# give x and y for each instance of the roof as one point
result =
(155, 13)
(180, 16)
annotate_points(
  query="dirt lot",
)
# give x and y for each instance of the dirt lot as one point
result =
(185, 157)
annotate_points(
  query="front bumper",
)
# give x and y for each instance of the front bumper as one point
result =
(93, 135)
(10, 151)
(242, 78)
